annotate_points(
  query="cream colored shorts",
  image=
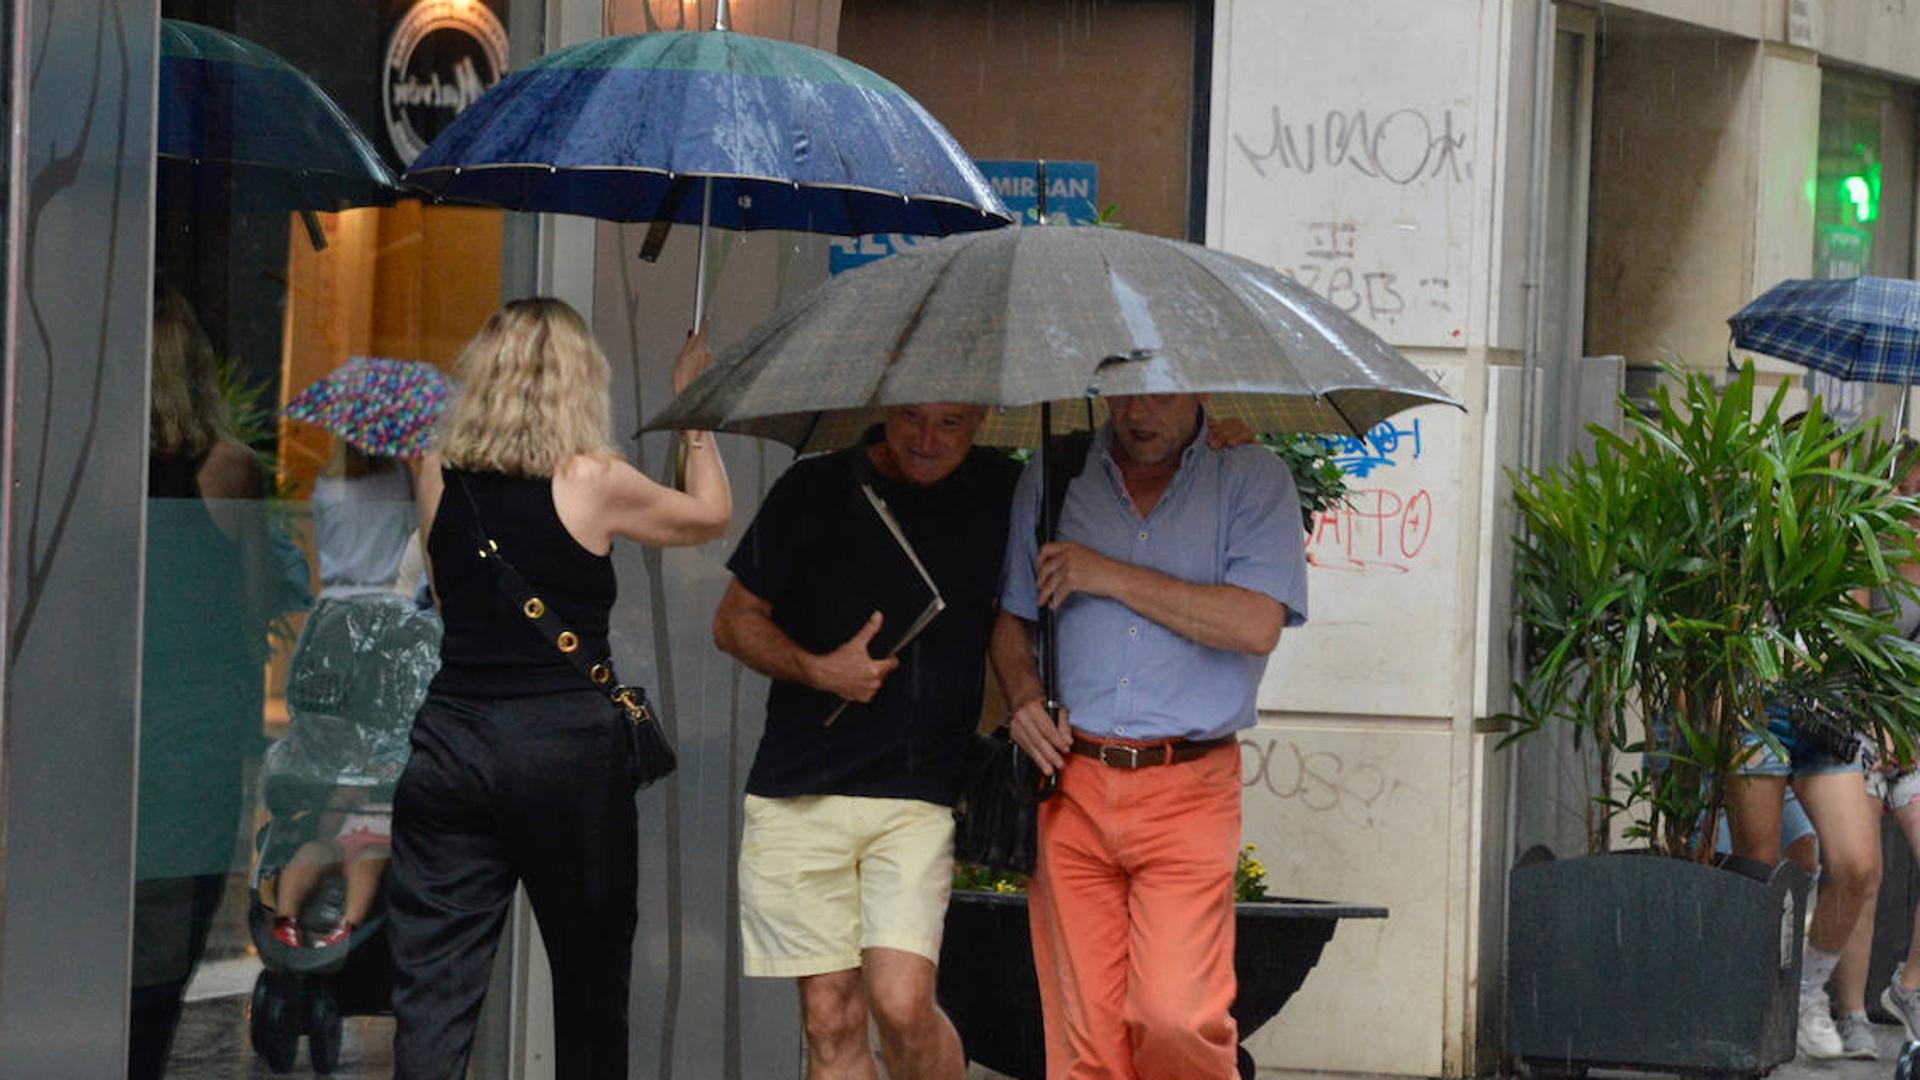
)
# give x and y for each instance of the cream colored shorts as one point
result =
(823, 877)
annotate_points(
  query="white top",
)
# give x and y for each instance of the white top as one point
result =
(360, 528)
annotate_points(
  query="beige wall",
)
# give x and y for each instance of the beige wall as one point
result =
(1752, 19)
(1674, 190)
(1788, 122)
(1363, 783)
(1857, 33)
(1882, 36)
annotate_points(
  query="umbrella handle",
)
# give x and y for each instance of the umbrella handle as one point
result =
(700, 272)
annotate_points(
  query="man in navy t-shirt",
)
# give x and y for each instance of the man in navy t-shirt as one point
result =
(847, 855)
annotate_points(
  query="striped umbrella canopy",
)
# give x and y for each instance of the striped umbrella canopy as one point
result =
(240, 128)
(1863, 329)
(1020, 317)
(385, 407)
(738, 131)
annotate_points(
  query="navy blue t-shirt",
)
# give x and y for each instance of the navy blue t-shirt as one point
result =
(802, 554)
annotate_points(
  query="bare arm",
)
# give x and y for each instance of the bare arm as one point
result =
(599, 498)
(428, 486)
(1045, 739)
(1225, 617)
(744, 629)
(230, 483)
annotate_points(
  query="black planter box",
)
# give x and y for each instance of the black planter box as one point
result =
(1636, 961)
(987, 985)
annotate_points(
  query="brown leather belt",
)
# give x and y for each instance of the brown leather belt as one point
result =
(1130, 756)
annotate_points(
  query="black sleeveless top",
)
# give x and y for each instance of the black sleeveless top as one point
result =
(490, 649)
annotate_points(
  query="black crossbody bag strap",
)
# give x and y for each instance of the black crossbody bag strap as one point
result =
(541, 617)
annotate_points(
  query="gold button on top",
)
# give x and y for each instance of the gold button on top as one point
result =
(533, 607)
(568, 641)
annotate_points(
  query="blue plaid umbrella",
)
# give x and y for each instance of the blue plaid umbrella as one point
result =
(1863, 329)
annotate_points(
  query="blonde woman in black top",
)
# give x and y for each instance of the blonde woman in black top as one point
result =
(522, 771)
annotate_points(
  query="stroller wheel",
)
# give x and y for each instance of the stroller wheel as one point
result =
(271, 1023)
(323, 1028)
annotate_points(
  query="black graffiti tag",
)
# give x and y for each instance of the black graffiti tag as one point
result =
(1399, 147)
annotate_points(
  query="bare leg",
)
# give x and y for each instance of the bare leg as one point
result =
(1909, 818)
(301, 874)
(1847, 823)
(1849, 983)
(1805, 852)
(363, 884)
(916, 1038)
(1753, 816)
(833, 1009)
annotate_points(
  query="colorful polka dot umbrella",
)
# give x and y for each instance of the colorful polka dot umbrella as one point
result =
(384, 407)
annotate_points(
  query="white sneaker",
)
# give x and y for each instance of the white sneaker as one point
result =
(1903, 1003)
(1818, 1038)
(1856, 1037)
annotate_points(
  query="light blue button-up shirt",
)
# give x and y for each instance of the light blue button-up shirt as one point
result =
(1228, 517)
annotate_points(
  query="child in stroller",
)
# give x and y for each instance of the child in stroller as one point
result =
(358, 675)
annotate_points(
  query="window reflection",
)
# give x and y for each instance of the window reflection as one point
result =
(285, 644)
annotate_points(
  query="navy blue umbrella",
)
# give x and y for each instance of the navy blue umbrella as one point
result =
(710, 127)
(238, 128)
(1863, 329)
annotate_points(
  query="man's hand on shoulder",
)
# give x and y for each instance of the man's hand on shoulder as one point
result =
(1225, 434)
(849, 671)
(1065, 568)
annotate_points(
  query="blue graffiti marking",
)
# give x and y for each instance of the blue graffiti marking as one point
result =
(1359, 457)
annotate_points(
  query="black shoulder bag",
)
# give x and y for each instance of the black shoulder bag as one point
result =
(653, 755)
(996, 815)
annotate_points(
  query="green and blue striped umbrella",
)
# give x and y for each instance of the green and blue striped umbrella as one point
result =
(633, 128)
(240, 128)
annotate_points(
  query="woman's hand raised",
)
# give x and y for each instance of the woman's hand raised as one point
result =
(693, 359)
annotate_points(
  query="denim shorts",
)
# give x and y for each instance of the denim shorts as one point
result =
(1897, 790)
(1805, 757)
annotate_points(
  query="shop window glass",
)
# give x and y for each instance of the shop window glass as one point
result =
(284, 643)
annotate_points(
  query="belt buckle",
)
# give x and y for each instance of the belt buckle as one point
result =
(1133, 756)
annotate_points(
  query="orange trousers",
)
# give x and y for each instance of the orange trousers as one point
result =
(1131, 906)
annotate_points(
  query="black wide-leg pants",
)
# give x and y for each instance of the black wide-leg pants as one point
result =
(535, 790)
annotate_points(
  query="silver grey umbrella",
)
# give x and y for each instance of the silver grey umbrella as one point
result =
(1017, 317)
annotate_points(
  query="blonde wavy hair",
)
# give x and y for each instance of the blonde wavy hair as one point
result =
(533, 393)
(188, 411)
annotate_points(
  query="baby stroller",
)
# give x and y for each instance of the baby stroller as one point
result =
(359, 673)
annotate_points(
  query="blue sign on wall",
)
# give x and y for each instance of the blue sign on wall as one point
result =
(1073, 190)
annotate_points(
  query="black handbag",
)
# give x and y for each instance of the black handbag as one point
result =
(653, 755)
(997, 812)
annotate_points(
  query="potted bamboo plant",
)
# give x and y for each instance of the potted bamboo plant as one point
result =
(1709, 560)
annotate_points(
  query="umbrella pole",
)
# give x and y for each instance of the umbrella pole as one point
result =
(700, 273)
(1049, 631)
(1049, 628)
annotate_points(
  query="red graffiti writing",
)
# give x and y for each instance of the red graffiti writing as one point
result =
(1377, 530)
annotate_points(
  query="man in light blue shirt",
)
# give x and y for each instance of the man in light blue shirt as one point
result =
(1176, 569)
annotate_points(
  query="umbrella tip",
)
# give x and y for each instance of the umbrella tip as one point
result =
(720, 16)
